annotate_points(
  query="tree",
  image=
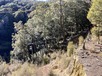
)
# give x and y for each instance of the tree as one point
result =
(95, 12)
(20, 16)
(52, 23)
(95, 16)
(20, 41)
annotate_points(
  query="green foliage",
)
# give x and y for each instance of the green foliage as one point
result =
(95, 17)
(70, 49)
(48, 26)
(97, 31)
(20, 41)
(95, 13)
(45, 60)
(20, 15)
(94, 31)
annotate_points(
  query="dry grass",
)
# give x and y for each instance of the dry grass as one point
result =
(25, 70)
(4, 69)
(61, 64)
(70, 49)
(64, 62)
(81, 40)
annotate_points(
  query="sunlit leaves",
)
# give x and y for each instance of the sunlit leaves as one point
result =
(95, 13)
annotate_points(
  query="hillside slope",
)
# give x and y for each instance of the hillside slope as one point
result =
(84, 62)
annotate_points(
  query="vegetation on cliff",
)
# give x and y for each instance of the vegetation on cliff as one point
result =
(56, 39)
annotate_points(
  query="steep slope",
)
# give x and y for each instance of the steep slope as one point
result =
(86, 62)
(91, 58)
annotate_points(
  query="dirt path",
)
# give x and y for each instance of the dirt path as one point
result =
(92, 62)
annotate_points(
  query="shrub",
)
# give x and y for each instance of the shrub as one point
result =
(45, 59)
(95, 17)
(94, 31)
(70, 48)
(81, 40)
(95, 13)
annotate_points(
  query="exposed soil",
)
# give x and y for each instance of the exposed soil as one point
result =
(92, 59)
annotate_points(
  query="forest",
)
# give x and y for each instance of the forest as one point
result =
(50, 27)
(54, 35)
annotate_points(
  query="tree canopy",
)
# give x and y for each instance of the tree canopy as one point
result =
(95, 15)
(51, 25)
